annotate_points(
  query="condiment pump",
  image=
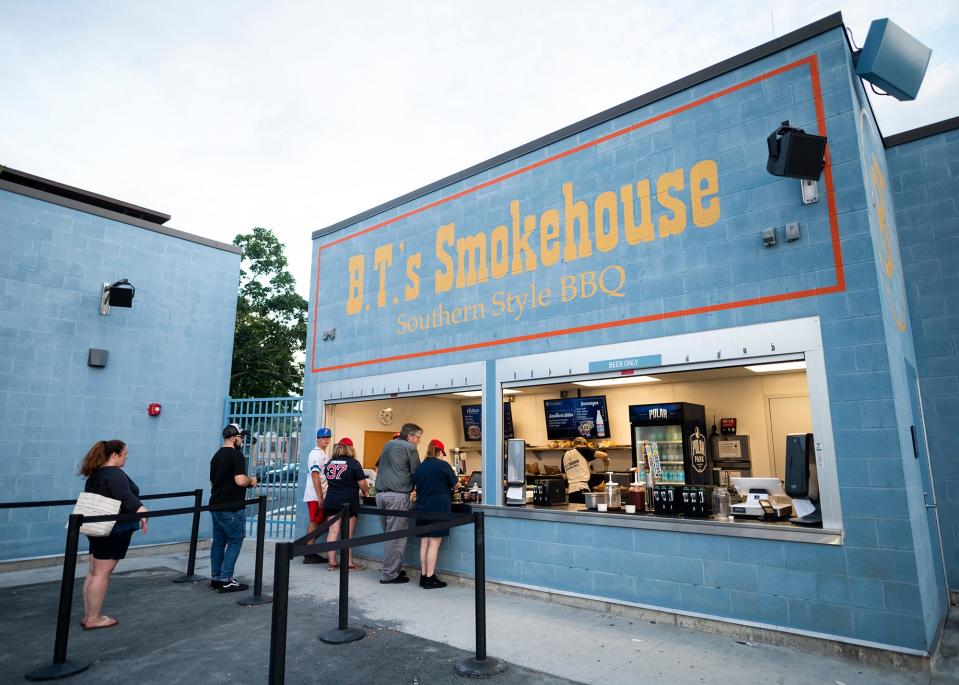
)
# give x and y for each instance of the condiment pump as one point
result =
(636, 495)
(613, 498)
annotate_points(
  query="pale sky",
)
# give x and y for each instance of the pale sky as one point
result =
(296, 115)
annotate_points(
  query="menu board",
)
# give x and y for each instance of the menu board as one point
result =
(473, 421)
(575, 417)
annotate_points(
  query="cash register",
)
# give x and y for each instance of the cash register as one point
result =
(764, 499)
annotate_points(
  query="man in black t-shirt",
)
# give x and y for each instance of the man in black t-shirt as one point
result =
(228, 484)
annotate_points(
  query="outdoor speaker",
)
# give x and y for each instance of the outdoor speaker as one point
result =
(893, 60)
(793, 153)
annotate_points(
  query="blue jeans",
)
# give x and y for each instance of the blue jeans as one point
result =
(229, 529)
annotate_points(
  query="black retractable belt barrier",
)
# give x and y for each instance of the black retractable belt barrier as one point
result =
(343, 633)
(61, 667)
(282, 556)
(482, 666)
(190, 576)
(258, 597)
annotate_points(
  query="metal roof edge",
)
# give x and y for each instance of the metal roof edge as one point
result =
(81, 206)
(752, 55)
(922, 132)
(80, 195)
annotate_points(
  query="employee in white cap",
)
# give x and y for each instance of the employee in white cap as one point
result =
(315, 489)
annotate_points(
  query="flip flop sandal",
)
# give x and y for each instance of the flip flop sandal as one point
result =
(353, 567)
(108, 624)
(333, 567)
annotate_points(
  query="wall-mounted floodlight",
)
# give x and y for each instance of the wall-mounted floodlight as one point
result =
(119, 294)
(893, 60)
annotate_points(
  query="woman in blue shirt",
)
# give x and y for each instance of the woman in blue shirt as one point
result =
(434, 481)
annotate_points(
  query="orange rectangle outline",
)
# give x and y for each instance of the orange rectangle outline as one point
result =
(813, 63)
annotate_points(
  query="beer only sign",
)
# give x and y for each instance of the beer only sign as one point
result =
(649, 216)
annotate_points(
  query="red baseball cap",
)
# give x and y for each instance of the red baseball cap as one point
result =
(438, 445)
(346, 441)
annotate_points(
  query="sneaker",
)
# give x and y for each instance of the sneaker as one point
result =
(216, 584)
(315, 559)
(433, 583)
(233, 586)
(398, 579)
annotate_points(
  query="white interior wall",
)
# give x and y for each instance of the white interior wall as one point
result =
(440, 417)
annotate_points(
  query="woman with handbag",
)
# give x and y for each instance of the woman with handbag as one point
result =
(103, 467)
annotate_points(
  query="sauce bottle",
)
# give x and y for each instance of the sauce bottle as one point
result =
(636, 495)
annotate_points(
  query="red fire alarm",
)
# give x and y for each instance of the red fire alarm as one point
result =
(154, 409)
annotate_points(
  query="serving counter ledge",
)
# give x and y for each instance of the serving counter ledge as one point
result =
(578, 513)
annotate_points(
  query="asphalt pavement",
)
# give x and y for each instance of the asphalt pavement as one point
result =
(186, 633)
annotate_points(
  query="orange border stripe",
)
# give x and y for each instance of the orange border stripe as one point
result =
(813, 63)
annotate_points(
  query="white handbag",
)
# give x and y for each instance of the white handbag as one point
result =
(92, 504)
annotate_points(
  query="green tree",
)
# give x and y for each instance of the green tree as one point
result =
(270, 336)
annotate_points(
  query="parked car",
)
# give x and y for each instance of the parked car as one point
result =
(284, 473)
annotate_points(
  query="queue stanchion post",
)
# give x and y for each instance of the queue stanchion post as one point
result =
(343, 633)
(61, 666)
(191, 576)
(283, 555)
(258, 597)
(480, 666)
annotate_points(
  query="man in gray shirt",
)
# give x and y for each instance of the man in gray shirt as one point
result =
(398, 461)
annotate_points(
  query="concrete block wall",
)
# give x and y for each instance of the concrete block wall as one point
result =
(870, 588)
(703, 267)
(174, 346)
(924, 176)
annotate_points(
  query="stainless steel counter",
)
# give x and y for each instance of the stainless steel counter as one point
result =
(743, 528)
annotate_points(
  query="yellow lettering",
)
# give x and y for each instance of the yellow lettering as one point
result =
(548, 234)
(499, 251)
(569, 284)
(643, 232)
(521, 242)
(413, 262)
(587, 278)
(675, 224)
(575, 212)
(606, 240)
(354, 294)
(443, 278)
(617, 290)
(471, 249)
(382, 258)
(704, 172)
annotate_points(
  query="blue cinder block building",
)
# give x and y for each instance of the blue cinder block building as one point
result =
(649, 243)
(173, 347)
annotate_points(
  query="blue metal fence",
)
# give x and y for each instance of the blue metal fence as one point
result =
(274, 458)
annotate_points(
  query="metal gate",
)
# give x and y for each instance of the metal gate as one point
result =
(273, 456)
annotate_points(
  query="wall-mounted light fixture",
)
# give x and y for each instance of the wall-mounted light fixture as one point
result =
(119, 294)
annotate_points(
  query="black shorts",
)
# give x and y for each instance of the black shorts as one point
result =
(112, 546)
(330, 513)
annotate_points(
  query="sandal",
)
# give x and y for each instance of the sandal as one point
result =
(353, 567)
(332, 567)
(108, 623)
